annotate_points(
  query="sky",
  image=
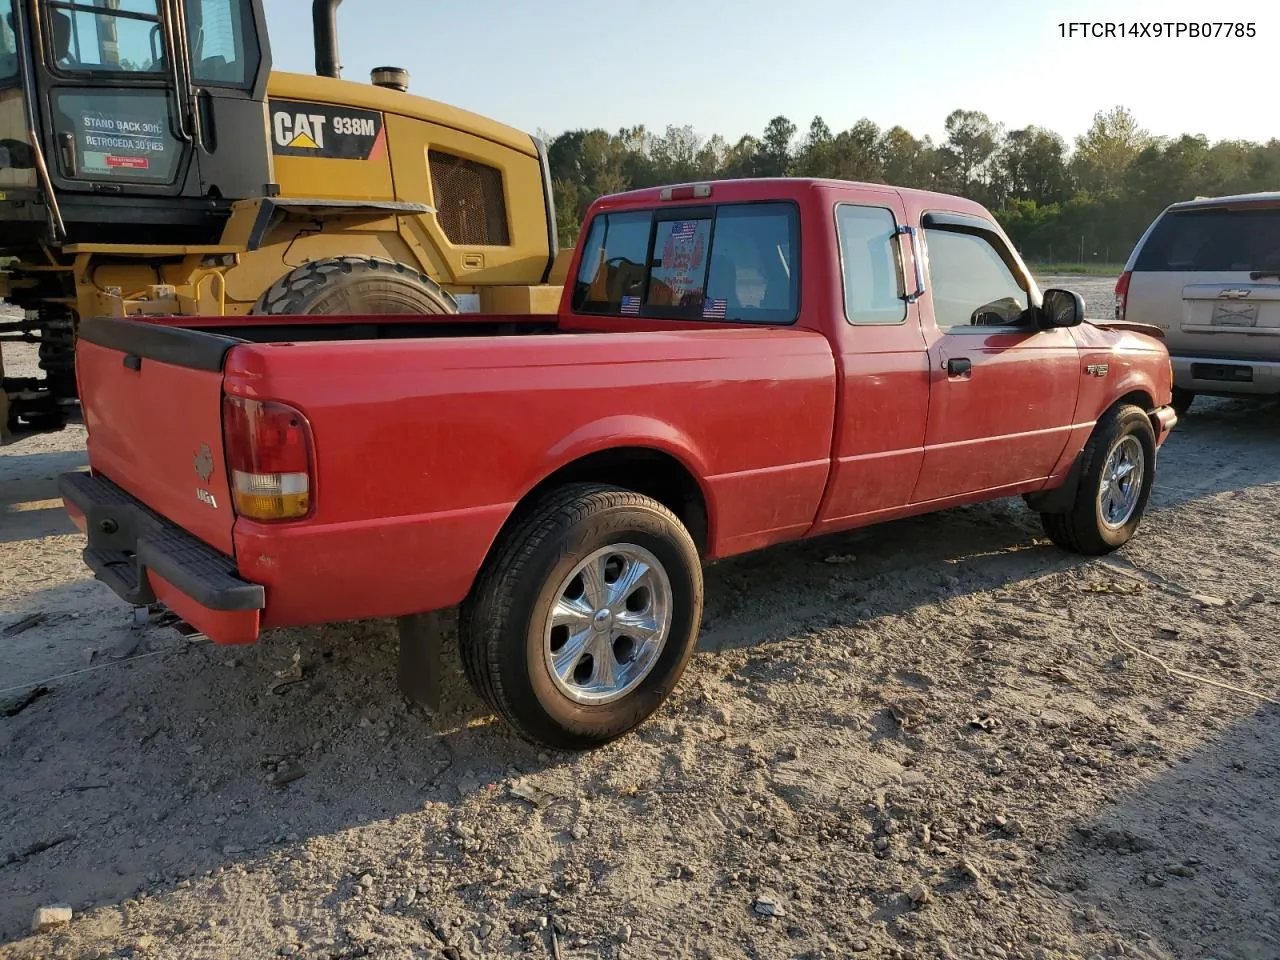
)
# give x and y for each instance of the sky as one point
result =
(728, 66)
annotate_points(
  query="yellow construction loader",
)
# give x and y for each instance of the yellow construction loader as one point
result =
(151, 162)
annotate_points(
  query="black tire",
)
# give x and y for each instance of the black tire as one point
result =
(502, 622)
(1081, 529)
(1182, 400)
(354, 285)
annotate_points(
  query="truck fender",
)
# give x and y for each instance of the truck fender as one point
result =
(1134, 389)
(627, 432)
(622, 431)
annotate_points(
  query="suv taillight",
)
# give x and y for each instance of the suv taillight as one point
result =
(268, 447)
(1122, 294)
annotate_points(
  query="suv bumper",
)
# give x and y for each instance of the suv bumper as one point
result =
(1212, 375)
(146, 559)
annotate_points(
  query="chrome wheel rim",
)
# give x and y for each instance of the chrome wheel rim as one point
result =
(1121, 484)
(608, 624)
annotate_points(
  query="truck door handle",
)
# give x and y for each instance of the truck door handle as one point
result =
(958, 366)
(132, 361)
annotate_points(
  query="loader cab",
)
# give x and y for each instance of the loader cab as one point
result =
(137, 120)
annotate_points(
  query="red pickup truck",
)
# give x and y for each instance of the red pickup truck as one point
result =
(734, 364)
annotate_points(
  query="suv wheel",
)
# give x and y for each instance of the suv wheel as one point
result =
(1182, 399)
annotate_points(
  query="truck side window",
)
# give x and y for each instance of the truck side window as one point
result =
(970, 282)
(873, 292)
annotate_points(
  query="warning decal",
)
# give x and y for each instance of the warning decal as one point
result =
(300, 129)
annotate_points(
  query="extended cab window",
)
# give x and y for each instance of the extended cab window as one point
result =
(872, 271)
(731, 262)
(971, 284)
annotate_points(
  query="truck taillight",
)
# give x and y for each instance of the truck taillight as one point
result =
(1122, 294)
(268, 448)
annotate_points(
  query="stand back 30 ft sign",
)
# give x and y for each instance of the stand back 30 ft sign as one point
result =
(301, 129)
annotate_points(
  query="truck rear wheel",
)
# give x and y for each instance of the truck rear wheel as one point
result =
(585, 617)
(354, 285)
(1116, 474)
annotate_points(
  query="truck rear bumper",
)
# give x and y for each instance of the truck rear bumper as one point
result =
(146, 559)
(1210, 375)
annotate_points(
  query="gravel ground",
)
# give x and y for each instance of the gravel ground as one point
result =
(940, 737)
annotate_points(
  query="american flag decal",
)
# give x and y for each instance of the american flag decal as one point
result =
(630, 306)
(683, 230)
(713, 309)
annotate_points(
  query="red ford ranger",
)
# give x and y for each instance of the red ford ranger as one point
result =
(733, 365)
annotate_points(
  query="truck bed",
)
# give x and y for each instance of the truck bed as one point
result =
(422, 447)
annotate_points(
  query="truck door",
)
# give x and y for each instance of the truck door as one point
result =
(881, 362)
(1002, 392)
(153, 98)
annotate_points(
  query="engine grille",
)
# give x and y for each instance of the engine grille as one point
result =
(470, 204)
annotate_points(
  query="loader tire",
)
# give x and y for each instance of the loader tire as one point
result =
(355, 286)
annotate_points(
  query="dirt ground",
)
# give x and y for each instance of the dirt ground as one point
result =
(931, 739)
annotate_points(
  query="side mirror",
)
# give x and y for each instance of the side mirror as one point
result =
(1061, 308)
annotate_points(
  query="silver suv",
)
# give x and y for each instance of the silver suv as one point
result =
(1207, 272)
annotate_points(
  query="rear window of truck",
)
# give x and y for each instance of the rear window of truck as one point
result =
(1213, 240)
(732, 262)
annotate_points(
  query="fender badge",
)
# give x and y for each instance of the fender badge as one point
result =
(203, 462)
(1097, 369)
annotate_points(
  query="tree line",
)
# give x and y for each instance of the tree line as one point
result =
(1091, 200)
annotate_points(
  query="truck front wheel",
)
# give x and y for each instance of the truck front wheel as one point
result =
(585, 617)
(1117, 469)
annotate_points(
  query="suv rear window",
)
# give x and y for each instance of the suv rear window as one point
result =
(1213, 240)
(730, 262)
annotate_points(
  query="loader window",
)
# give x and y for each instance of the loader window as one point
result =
(224, 47)
(8, 43)
(85, 36)
(119, 134)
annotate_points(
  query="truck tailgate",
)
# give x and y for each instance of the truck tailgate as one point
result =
(152, 401)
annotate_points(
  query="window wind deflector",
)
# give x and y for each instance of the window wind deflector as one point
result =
(961, 221)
